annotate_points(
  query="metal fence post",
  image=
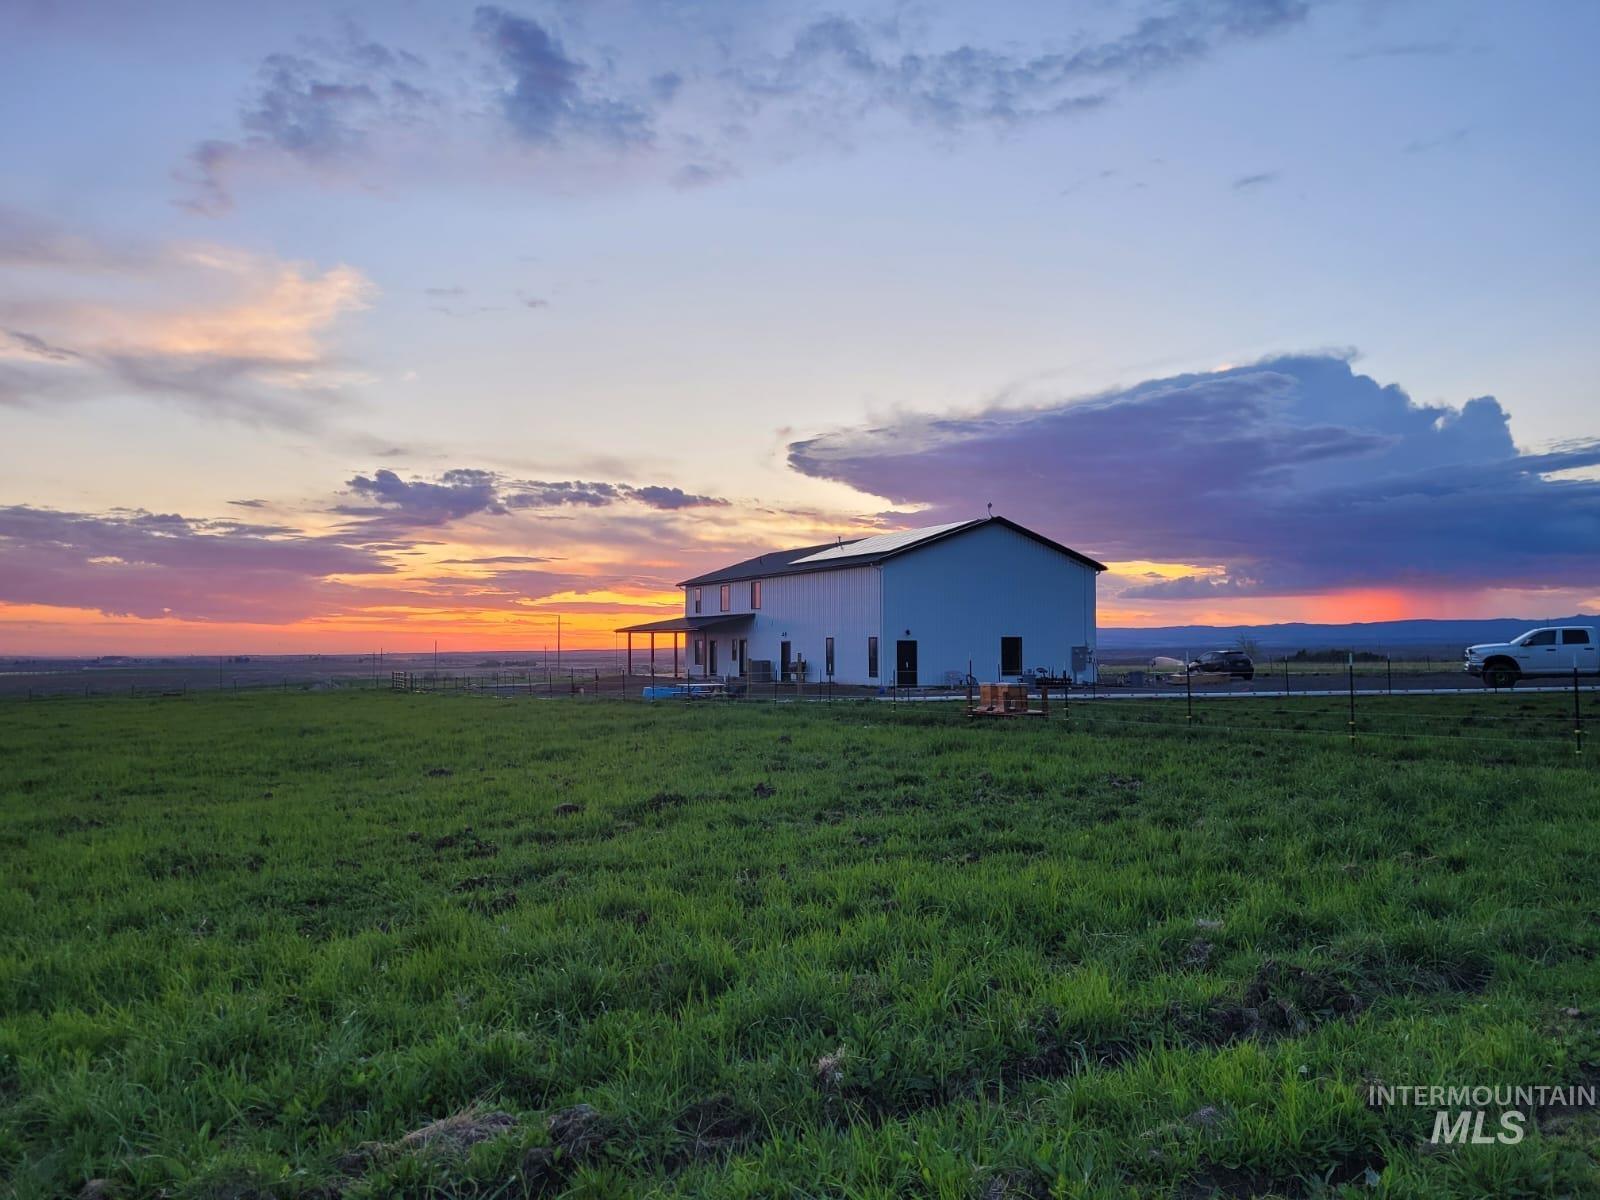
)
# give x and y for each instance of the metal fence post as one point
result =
(1388, 664)
(1352, 669)
(1577, 715)
(1188, 693)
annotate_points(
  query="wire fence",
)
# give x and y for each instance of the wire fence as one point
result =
(1550, 722)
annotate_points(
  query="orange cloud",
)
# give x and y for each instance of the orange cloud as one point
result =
(278, 311)
(223, 330)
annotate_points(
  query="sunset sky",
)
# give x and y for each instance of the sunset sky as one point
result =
(330, 326)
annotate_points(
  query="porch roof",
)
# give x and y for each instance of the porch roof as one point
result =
(686, 624)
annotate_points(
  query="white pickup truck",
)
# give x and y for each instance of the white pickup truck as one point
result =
(1554, 650)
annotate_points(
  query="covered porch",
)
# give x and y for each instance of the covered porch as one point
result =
(678, 630)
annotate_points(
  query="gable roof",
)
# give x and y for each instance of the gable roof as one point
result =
(867, 551)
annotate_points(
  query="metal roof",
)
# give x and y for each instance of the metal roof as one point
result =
(882, 543)
(773, 562)
(865, 552)
(685, 624)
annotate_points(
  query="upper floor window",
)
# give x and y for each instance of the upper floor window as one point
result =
(727, 597)
(697, 599)
(755, 593)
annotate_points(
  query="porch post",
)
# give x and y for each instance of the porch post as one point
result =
(652, 655)
(630, 652)
(674, 656)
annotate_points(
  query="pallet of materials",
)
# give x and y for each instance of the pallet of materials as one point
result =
(1003, 700)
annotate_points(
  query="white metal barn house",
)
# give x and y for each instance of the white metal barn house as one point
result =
(912, 608)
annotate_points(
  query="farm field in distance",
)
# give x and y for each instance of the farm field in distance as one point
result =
(355, 943)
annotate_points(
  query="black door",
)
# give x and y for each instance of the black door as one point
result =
(744, 650)
(905, 664)
(713, 664)
(1010, 656)
(783, 662)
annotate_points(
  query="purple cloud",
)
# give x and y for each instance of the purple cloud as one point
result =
(401, 503)
(396, 505)
(673, 498)
(547, 100)
(136, 563)
(1294, 474)
(695, 94)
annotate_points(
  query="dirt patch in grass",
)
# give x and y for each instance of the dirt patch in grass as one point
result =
(1058, 1053)
(1016, 1185)
(581, 1132)
(658, 803)
(1356, 1168)
(468, 842)
(544, 1171)
(1279, 1001)
(1559, 1120)
(715, 1126)
(454, 1134)
(461, 1130)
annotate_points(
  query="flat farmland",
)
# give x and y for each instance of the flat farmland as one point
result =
(355, 943)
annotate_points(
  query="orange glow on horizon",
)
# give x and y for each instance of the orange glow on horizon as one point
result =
(587, 621)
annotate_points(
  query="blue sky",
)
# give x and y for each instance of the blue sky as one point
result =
(750, 252)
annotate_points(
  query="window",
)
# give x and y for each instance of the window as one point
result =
(1011, 656)
(827, 656)
(872, 658)
(697, 599)
(1540, 637)
(699, 651)
(727, 595)
(1574, 637)
(755, 593)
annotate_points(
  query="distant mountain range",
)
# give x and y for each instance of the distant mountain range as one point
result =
(1420, 635)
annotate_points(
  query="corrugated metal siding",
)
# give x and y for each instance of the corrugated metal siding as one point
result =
(959, 597)
(804, 610)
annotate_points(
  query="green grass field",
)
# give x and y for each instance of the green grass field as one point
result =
(363, 944)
